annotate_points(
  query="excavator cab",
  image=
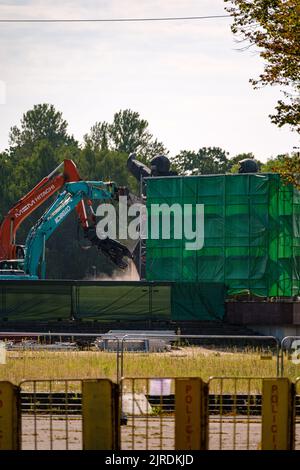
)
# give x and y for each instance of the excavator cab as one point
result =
(20, 253)
(13, 266)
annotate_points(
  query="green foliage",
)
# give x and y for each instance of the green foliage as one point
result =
(273, 26)
(42, 141)
(99, 137)
(288, 113)
(126, 134)
(129, 132)
(5, 173)
(208, 160)
(42, 122)
(272, 165)
(37, 146)
(288, 166)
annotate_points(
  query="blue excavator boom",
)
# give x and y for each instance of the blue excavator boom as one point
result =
(66, 202)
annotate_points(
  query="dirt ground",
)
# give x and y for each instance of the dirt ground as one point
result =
(154, 433)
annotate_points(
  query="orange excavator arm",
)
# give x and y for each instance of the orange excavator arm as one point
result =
(30, 202)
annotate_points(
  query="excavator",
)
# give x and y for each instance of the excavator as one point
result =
(72, 195)
(48, 186)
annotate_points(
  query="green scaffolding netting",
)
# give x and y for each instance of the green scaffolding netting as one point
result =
(46, 301)
(251, 233)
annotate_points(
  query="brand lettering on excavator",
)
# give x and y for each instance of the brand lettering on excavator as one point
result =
(62, 214)
(35, 200)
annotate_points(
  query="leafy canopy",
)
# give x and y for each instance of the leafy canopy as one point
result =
(42, 122)
(273, 26)
(126, 134)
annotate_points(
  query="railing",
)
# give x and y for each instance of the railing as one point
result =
(50, 421)
(235, 420)
(288, 344)
(200, 339)
(150, 413)
(268, 346)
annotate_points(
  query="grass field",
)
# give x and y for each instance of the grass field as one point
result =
(181, 362)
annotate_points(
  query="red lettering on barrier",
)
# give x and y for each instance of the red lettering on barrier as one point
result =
(188, 410)
(189, 429)
(274, 411)
(274, 428)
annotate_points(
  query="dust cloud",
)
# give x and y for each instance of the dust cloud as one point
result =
(129, 274)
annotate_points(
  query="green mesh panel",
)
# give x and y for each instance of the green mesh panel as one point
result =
(35, 301)
(101, 301)
(251, 230)
(123, 302)
(198, 301)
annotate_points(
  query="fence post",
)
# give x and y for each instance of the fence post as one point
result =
(9, 417)
(100, 415)
(191, 414)
(278, 414)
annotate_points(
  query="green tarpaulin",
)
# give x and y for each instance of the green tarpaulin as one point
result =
(106, 301)
(35, 301)
(251, 233)
(84, 300)
(197, 301)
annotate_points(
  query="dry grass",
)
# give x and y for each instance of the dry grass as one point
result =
(185, 361)
(182, 362)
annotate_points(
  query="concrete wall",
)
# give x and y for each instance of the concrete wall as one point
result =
(250, 313)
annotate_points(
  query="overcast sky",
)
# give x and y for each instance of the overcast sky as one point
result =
(188, 79)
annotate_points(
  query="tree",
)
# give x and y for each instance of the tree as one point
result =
(274, 26)
(106, 165)
(42, 122)
(288, 166)
(99, 136)
(5, 178)
(273, 164)
(208, 160)
(289, 170)
(127, 133)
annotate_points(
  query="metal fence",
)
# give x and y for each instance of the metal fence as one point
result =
(149, 412)
(235, 409)
(297, 414)
(289, 354)
(267, 346)
(227, 413)
(51, 414)
(44, 341)
(233, 413)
